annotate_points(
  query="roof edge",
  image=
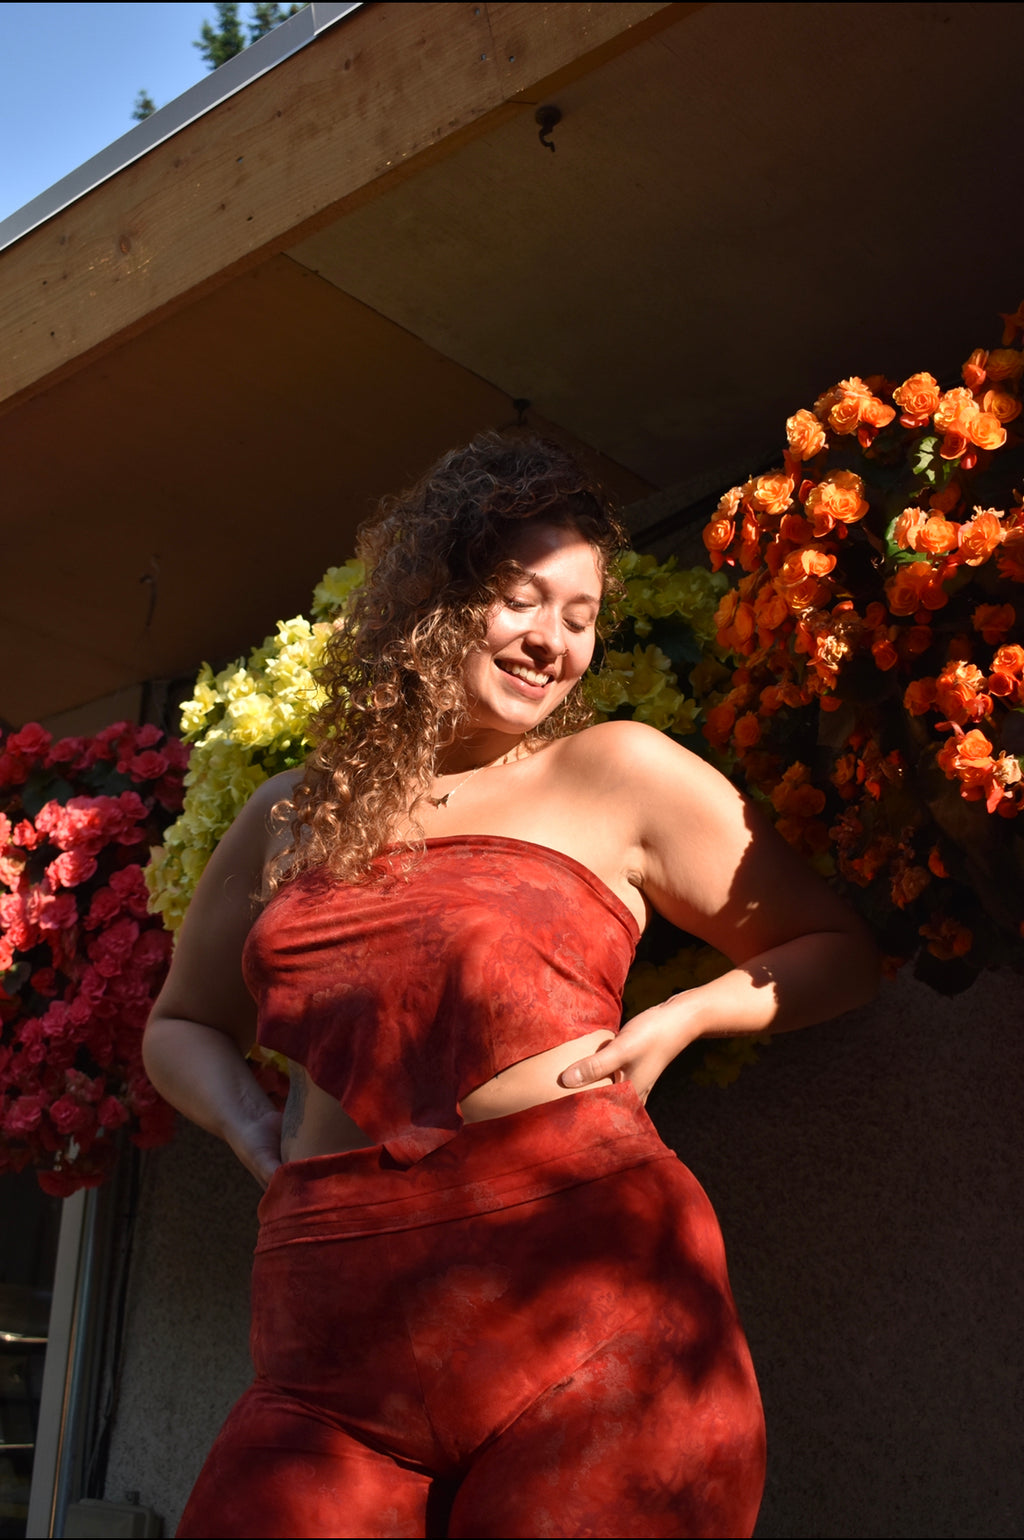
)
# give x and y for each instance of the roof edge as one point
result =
(265, 54)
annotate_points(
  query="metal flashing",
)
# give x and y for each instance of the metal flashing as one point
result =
(263, 55)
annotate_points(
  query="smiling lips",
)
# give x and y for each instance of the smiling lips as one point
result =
(524, 672)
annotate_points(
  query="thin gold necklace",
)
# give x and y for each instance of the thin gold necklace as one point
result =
(492, 764)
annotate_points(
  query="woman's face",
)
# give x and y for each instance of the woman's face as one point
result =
(540, 639)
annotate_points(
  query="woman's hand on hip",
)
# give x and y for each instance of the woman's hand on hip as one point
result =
(257, 1143)
(639, 1054)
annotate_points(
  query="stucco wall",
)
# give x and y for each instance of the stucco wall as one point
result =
(868, 1176)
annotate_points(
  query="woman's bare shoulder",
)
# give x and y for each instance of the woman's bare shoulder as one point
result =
(634, 747)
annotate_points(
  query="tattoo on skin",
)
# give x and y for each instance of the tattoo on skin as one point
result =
(295, 1105)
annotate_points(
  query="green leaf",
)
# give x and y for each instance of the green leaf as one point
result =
(42, 787)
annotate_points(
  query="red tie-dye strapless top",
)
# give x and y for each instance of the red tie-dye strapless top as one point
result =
(401, 995)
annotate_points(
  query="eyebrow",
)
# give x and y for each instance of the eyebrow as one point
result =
(534, 577)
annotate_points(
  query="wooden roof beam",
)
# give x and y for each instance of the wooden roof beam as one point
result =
(364, 104)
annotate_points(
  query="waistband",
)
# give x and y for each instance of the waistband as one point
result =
(486, 1166)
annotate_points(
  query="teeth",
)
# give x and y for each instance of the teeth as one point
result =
(529, 674)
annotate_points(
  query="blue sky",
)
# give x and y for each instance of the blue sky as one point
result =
(69, 75)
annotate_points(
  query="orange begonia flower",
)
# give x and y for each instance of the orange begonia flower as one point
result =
(973, 370)
(955, 410)
(805, 435)
(917, 398)
(803, 578)
(959, 694)
(1012, 324)
(772, 493)
(718, 725)
(914, 640)
(937, 536)
(986, 431)
(718, 536)
(936, 865)
(993, 621)
(919, 696)
(915, 586)
(948, 939)
(1003, 406)
(1010, 560)
(851, 403)
(954, 446)
(1009, 660)
(909, 884)
(980, 536)
(907, 529)
(838, 499)
(1005, 364)
(945, 500)
(884, 654)
(747, 731)
(795, 528)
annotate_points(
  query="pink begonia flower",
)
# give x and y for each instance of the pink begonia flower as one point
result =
(149, 735)
(112, 948)
(32, 741)
(49, 911)
(104, 907)
(148, 766)
(23, 1115)
(44, 982)
(57, 1017)
(71, 868)
(14, 770)
(11, 869)
(15, 919)
(92, 986)
(72, 1117)
(112, 1113)
(87, 1088)
(32, 1041)
(26, 835)
(153, 948)
(130, 886)
(65, 751)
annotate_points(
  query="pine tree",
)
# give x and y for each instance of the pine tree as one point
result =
(266, 17)
(144, 107)
(218, 45)
(222, 42)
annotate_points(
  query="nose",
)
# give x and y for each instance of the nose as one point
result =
(547, 635)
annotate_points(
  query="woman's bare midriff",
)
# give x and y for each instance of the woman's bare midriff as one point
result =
(314, 1124)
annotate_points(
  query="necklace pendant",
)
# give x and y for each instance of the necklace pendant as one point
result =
(440, 801)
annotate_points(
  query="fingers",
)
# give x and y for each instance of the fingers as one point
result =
(599, 1066)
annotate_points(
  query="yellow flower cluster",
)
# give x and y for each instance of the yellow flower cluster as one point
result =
(245, 724)
(644, 678)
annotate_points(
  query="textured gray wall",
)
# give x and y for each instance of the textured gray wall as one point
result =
(868, 1176)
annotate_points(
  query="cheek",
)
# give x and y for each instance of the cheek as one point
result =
(581, 655)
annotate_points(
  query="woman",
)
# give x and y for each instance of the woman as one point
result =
(487, 1300)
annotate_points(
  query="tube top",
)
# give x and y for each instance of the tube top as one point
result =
(402, 995)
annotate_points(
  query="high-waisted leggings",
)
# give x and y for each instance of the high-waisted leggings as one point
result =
(528, 1332)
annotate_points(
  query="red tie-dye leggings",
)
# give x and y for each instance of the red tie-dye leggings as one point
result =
(528, 1332)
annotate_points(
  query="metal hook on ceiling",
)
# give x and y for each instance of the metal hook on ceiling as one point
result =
(547, 117)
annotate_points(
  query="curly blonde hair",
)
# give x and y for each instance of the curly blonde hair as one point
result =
(437, 557)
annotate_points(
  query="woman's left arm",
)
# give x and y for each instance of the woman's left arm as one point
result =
(708, 862)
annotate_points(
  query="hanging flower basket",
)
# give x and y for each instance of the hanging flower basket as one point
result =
(81, 958)
(876, 627)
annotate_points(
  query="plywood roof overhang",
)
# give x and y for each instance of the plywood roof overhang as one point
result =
(746, 201)
(191, 416)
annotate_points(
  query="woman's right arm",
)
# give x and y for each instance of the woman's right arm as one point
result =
(204, 1019)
